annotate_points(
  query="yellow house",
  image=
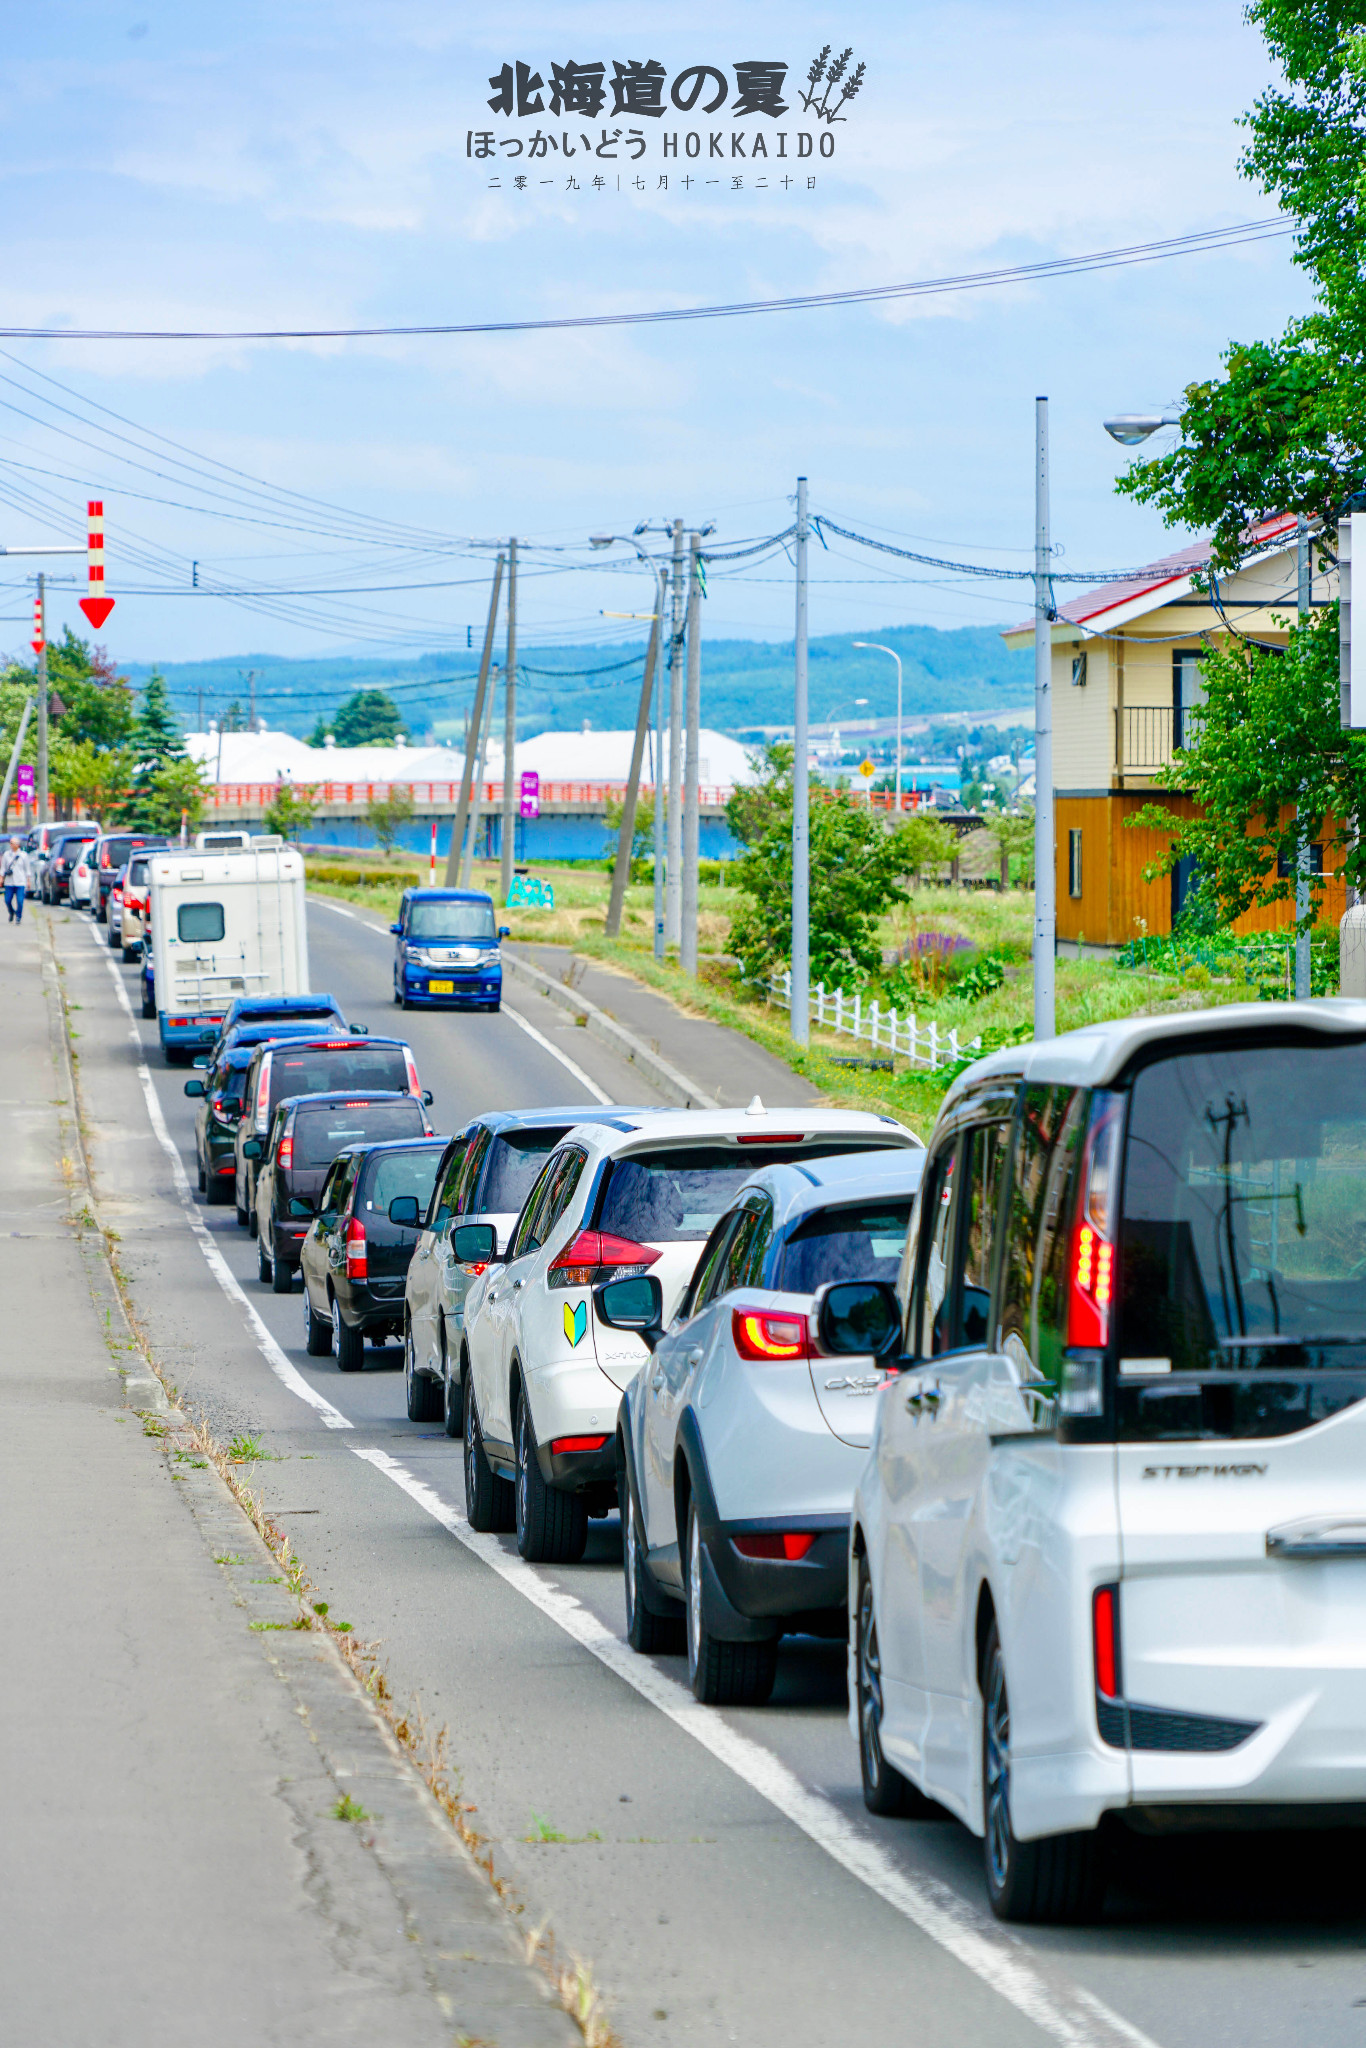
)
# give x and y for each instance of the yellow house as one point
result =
(1125, 675)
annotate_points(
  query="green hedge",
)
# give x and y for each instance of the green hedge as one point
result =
(361, 878)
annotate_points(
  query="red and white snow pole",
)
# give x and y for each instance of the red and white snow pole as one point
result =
(433, 877)
(96, 605)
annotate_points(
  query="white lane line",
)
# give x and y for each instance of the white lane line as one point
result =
(508, 1011)
(1063, 2011)
(284, 1371)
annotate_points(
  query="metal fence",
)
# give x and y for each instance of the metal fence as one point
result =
(924, 1045)
(1144, 737)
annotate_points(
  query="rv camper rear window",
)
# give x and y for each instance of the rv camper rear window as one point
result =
(199, 921)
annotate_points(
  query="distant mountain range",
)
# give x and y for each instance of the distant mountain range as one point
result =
(746, 684)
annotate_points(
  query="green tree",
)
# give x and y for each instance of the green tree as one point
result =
(370, 718)
(291, 809)
(857, 865)
(927, 844)
(387, 815)
(642, 837)
(1013, 832)
(155, 742)
(1304, 776)
(96, 777)
(175, 789)
(318, 736)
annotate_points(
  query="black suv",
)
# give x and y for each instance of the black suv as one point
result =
(355, 1256)
(306, 1134)
(110, 853)
(316, 1065)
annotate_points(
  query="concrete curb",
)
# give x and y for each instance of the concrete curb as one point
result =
(674, 1086)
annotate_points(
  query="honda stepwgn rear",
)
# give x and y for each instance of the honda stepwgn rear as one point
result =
(1109, 1553)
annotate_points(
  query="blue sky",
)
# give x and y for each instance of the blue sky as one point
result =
(202, 167)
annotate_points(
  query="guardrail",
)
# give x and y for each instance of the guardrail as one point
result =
(924, 1045)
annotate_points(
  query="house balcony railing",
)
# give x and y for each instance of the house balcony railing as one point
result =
(1145, 735)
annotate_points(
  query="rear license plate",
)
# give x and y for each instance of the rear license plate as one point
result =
(441, 988)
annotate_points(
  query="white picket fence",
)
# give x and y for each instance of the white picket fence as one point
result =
(925, 1045)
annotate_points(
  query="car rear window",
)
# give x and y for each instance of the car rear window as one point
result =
(233, 1092)
(332, 1069)
(403, 1173)
(844, 1244)
(200, 923)
(675, 1195)
(515, 1159)
(320, 1134)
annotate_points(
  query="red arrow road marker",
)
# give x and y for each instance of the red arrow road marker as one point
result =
(36, 643)
(97, 606)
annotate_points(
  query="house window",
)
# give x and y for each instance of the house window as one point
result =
(1079, 670)
(1074, 863)
(1187, 691)
(1286, 866)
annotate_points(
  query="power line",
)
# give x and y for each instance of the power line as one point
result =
(1201, 241)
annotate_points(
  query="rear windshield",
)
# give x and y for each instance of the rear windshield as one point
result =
(233, 1092)
(328, 1069)
(450, 921)
(515, 1159)
(137, 873)
(1244, 1230)
(404, 1173)
(844, 1244)
(320, 1134)
(675, 1196)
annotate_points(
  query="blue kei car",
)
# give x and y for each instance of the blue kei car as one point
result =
(447, 950)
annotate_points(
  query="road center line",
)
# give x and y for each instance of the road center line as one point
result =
(288, 1374)
(1063, 2011)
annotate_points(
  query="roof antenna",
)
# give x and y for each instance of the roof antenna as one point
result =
(756, 1108)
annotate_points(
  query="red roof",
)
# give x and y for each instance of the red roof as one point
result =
(1144, 582)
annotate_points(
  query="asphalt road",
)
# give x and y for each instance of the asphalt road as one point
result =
(718, 1870)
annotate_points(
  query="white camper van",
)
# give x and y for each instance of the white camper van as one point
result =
(224, 924)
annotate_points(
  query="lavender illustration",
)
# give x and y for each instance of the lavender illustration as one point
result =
(827, 76)
(813, 78)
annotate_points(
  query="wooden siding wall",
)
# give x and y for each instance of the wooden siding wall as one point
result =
(1116, 903)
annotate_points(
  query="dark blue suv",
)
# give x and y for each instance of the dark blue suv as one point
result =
(447, 951)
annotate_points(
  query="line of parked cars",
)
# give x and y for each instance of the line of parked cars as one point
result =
(1058, 1423)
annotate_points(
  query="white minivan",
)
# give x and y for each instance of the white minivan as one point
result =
(1108, 1555)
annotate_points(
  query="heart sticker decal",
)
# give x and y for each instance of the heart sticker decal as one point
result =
(575, 1321)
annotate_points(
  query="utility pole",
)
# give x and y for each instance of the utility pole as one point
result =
(1044, 879)
(510, 725)
(1303, 969)
(687, 949)
(42, 699)
(801, 824)
(475, 725)
(472, 834)
(14, 758)
(621, 872)
(673, 908)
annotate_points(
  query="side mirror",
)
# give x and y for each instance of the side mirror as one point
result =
(403, 1209)
(253, 1149)
(301, 1205)
(474, 1244)
(857, 1317)
(194, 1087)
(427, 1098)
(397, 930)
(636, 1305)
(505, 931)
(361, 1030)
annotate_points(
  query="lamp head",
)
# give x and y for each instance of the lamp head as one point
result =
(601, 540)
(643, 527)
(706, 532)
(1129, 428)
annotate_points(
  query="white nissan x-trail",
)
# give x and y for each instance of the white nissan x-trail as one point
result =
(1108, 1556)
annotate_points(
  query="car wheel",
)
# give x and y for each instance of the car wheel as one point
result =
(453, 1394)
(242, 1216)
(348, 1344)
(130, 954)
(281, 1275)
(216, 1189)
(885, 1790)
(317, 1329)
(1058, 1880)
(489, 1503)
(149, 1008)
(262, 1262)
(654, 1635)
(722, 1674)
(252, 1225)
(552, 1526)
(424, 1396)
(199, 1169)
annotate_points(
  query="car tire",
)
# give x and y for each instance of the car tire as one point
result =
(149, 1008)
(654, 1635)
(452, 1394)
(348, 1344)
(216, 1190)
(203, 1177)
(262, 1262)
(423, 1394)
(885, 1790)
(1059, 1880)
(252, 1225)
(112, 938)
(242, 1216)
(317, 1329)
(130, 954)
(489, 1503)
(722, 1674)
(281, 1276)
(552, 1526)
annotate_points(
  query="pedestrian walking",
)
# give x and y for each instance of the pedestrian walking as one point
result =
(16, 872)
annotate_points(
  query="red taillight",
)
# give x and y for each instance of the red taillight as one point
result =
(177, 1021)
(1092, 1275)
(414, 1085)
(576, 1443)
(1105, 1636)
(773, 1138)
(284, 1155)
(788, 1548)
(594, 1255)
(758, 1335)
(357, 1251)
(263, 1094)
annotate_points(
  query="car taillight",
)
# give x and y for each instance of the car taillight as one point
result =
(1105, 1640)
(218, 1113)
(357, 1251)
(414, 1085)
(773, 1138)
(1092, 1272)
(576, 1443)
(758, 1335)
(263, 1094)
(594, 1255)
(284, 1155)
(789, 1547)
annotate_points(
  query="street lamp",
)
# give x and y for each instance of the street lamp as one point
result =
(1129, 428)
(877, 648)
(622, 869)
